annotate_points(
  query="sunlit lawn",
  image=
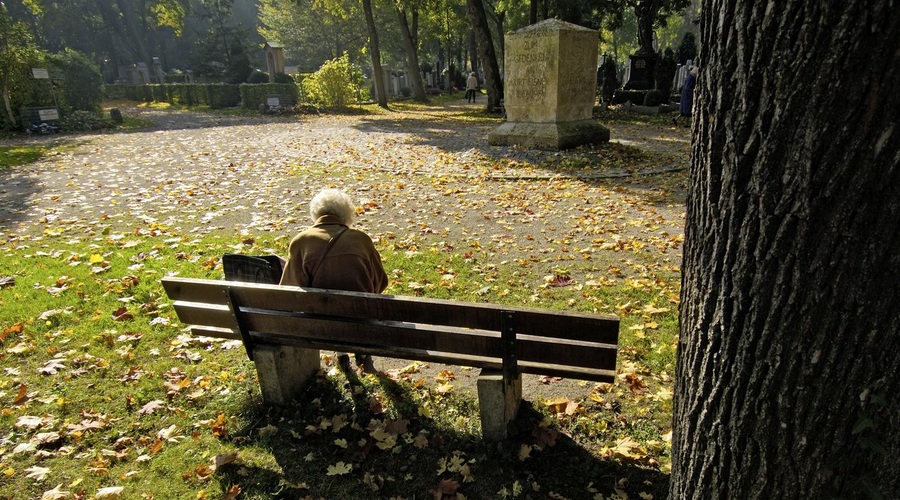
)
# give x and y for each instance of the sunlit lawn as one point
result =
(103, 392)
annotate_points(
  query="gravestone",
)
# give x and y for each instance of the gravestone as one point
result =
(274, 59)
(643, 67)
(550, 88)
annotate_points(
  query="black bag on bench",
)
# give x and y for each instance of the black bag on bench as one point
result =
(253, 269)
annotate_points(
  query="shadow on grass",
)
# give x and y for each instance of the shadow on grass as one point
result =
(375, 437)
(18, 184)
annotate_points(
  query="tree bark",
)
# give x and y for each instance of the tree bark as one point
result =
(787, 377)
(413, 72)
(486, 53)
(375, 51)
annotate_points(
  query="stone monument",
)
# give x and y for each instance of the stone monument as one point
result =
(550, 88)
(274, 59)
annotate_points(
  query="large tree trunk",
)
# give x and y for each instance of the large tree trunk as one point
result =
(788, 376)
(486, 53)
(413, 71)
(375, 50)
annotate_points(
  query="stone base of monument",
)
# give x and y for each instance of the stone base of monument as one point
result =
(553, 136)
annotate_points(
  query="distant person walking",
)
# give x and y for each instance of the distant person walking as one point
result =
(687, 96)
(471, 87)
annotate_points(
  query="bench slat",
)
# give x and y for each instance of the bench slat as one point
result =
(359, 334)
(353, 336)
(556, 324)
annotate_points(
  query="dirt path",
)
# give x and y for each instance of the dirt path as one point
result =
(424, 175)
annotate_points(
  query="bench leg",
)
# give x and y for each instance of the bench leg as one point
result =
(498, 403)
(284, 371)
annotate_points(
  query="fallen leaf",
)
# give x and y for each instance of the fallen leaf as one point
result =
(339, 469)
(111, 492)
(151, 407)
(37, 473)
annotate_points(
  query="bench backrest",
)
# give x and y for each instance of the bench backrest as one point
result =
(529, 340)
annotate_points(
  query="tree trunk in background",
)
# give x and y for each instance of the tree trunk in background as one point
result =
(375, 51)
(788, 376)
(472, 52)
(413, 71)
(486, 53)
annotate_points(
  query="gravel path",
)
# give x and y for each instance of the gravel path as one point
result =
(423, 175)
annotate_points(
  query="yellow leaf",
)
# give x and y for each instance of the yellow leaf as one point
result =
(651, 309)
(96, 258)
(339, 469)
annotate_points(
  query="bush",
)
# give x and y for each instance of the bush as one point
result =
(283, 78)
(664, 73)
(258, 77)
(635, 96)
(82, 82)
(608, 81)
(84, 121)
(335, 85)
(688, 48)
(252, 95)
(654, 98)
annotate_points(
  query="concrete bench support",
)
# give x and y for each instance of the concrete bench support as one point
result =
(498, 402)
(284, 371)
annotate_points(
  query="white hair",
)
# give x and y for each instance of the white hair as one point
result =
(332, 202)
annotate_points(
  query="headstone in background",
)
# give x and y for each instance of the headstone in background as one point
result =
(643, 67)
(274, 59)
(550, 88)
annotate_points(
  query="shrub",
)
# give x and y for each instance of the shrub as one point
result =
(82, 82)
(664, 73)
(688, 48)
(252, 95)
(258, 77)
(405, 91)
(283, 78)
(608, 81)
(335, 85)
(635, 96)
(654, 98)
(84, 121)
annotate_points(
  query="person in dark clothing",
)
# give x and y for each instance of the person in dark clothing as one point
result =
(687, 96)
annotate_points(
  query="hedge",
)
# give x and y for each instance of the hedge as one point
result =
(254, 94)
(214, 95)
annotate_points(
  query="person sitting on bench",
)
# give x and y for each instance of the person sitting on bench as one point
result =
(331, 255)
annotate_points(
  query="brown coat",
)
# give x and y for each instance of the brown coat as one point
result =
(352, 264)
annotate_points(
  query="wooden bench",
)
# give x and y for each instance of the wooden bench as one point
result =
(283, 328)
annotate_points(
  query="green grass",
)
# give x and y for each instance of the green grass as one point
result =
(101, 386)
(89, 341)
(13, 156)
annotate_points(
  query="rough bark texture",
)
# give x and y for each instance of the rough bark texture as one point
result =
(486, 53)
(413, 71)
(375, 51)
(788, 372)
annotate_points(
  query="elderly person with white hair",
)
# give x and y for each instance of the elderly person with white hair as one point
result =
(331, 255)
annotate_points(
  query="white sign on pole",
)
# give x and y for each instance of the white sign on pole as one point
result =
(48, 114)
(40, 73)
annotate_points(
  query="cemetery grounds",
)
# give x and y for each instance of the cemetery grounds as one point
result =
(104, 395)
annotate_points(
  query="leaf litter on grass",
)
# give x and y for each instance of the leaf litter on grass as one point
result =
(114, 208)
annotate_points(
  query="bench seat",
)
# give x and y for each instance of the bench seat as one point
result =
(284, 327)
